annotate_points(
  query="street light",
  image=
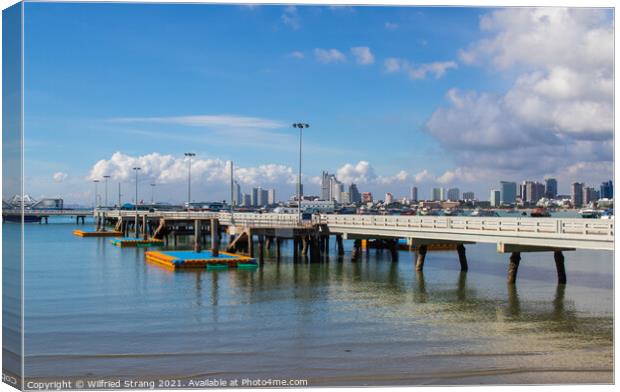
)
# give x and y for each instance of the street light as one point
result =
(136, 169)
(189, 178)
(153, 194)
(96, 193)
(106, 190)
(301, 126)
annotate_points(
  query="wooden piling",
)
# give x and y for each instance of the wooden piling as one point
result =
(144, 228)
(339, 244)
(296, 248)
(419, 265)
(215, 241)
(197, 235)
(357, 250)
(559, 265)
(304, 246)
(261, 246)
(278, 243)
(394, 249)
(460, 248)
(513, 267)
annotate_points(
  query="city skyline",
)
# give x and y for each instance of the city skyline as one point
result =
(429, 105)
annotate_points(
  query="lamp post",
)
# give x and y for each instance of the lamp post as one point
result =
(96, 193)
(301, 126)
(189, 178)
(153, 194)
(136, 169)
(105, 204)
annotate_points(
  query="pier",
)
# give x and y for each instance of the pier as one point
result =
(251, 233)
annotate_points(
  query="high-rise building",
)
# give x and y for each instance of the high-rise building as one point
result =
(534, 191)
(247, 200)
(345, 198)
(454, 194)
(354, 194)
(254, 197)
(414, 193)
(607, 190)
(238, 197)
(590, 194)
(521, 194)
(577, 194)
(325, 186)
(508, 192)
(271, 196)
(366, 197)
(495, 198)
(262, 197)
(468, 196)
(438, 194)
(337, 189)
(389, 198)
(551, 188)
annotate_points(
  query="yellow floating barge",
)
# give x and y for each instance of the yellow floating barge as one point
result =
(112, 233)
(202, 260)
(124, 242)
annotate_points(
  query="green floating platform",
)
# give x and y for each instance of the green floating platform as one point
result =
(124, 242)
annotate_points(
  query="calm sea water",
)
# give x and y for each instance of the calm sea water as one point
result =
(94, 310)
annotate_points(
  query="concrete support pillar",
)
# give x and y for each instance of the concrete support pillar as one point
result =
(304, 246)
(261, 248)
(215, 241)
(250, 243)
(278, 243)
(460, 248)
(296, 248)
(513, 267)
(135, 225)
(419, 265)
(46, 220)
(559, 265)
(394, 249)
(340, 245)
(144, 228)
(326, 249)
(197, 235)
(357, 250)
(315, 249)
(267, 242)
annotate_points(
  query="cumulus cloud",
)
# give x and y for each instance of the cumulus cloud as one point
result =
(329, 56)
(168, 169)
(437, 69)
(59, 176)
(363, 173)
(557, 114)
(363, 55)
(290, 17)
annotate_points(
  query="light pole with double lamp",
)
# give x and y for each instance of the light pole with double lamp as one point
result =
(105, 204)
(301, 126)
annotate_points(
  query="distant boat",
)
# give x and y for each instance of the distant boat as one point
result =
(589, 213)
(479, 212)
(540, 212)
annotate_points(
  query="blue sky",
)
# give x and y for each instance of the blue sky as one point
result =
(148, 82)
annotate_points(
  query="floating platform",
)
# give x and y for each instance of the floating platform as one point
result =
(203, 260)
(112, 233)
(124, 242)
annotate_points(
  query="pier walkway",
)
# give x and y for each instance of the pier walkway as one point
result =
(512, 235)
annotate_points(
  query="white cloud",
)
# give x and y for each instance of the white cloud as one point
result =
(167, 169)
(296, 54)
(291, 18)
(59, 176)
(558, 113)
(363, 55)
(391, 26)
(329, 55)
(218, 121)
(415, 72)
